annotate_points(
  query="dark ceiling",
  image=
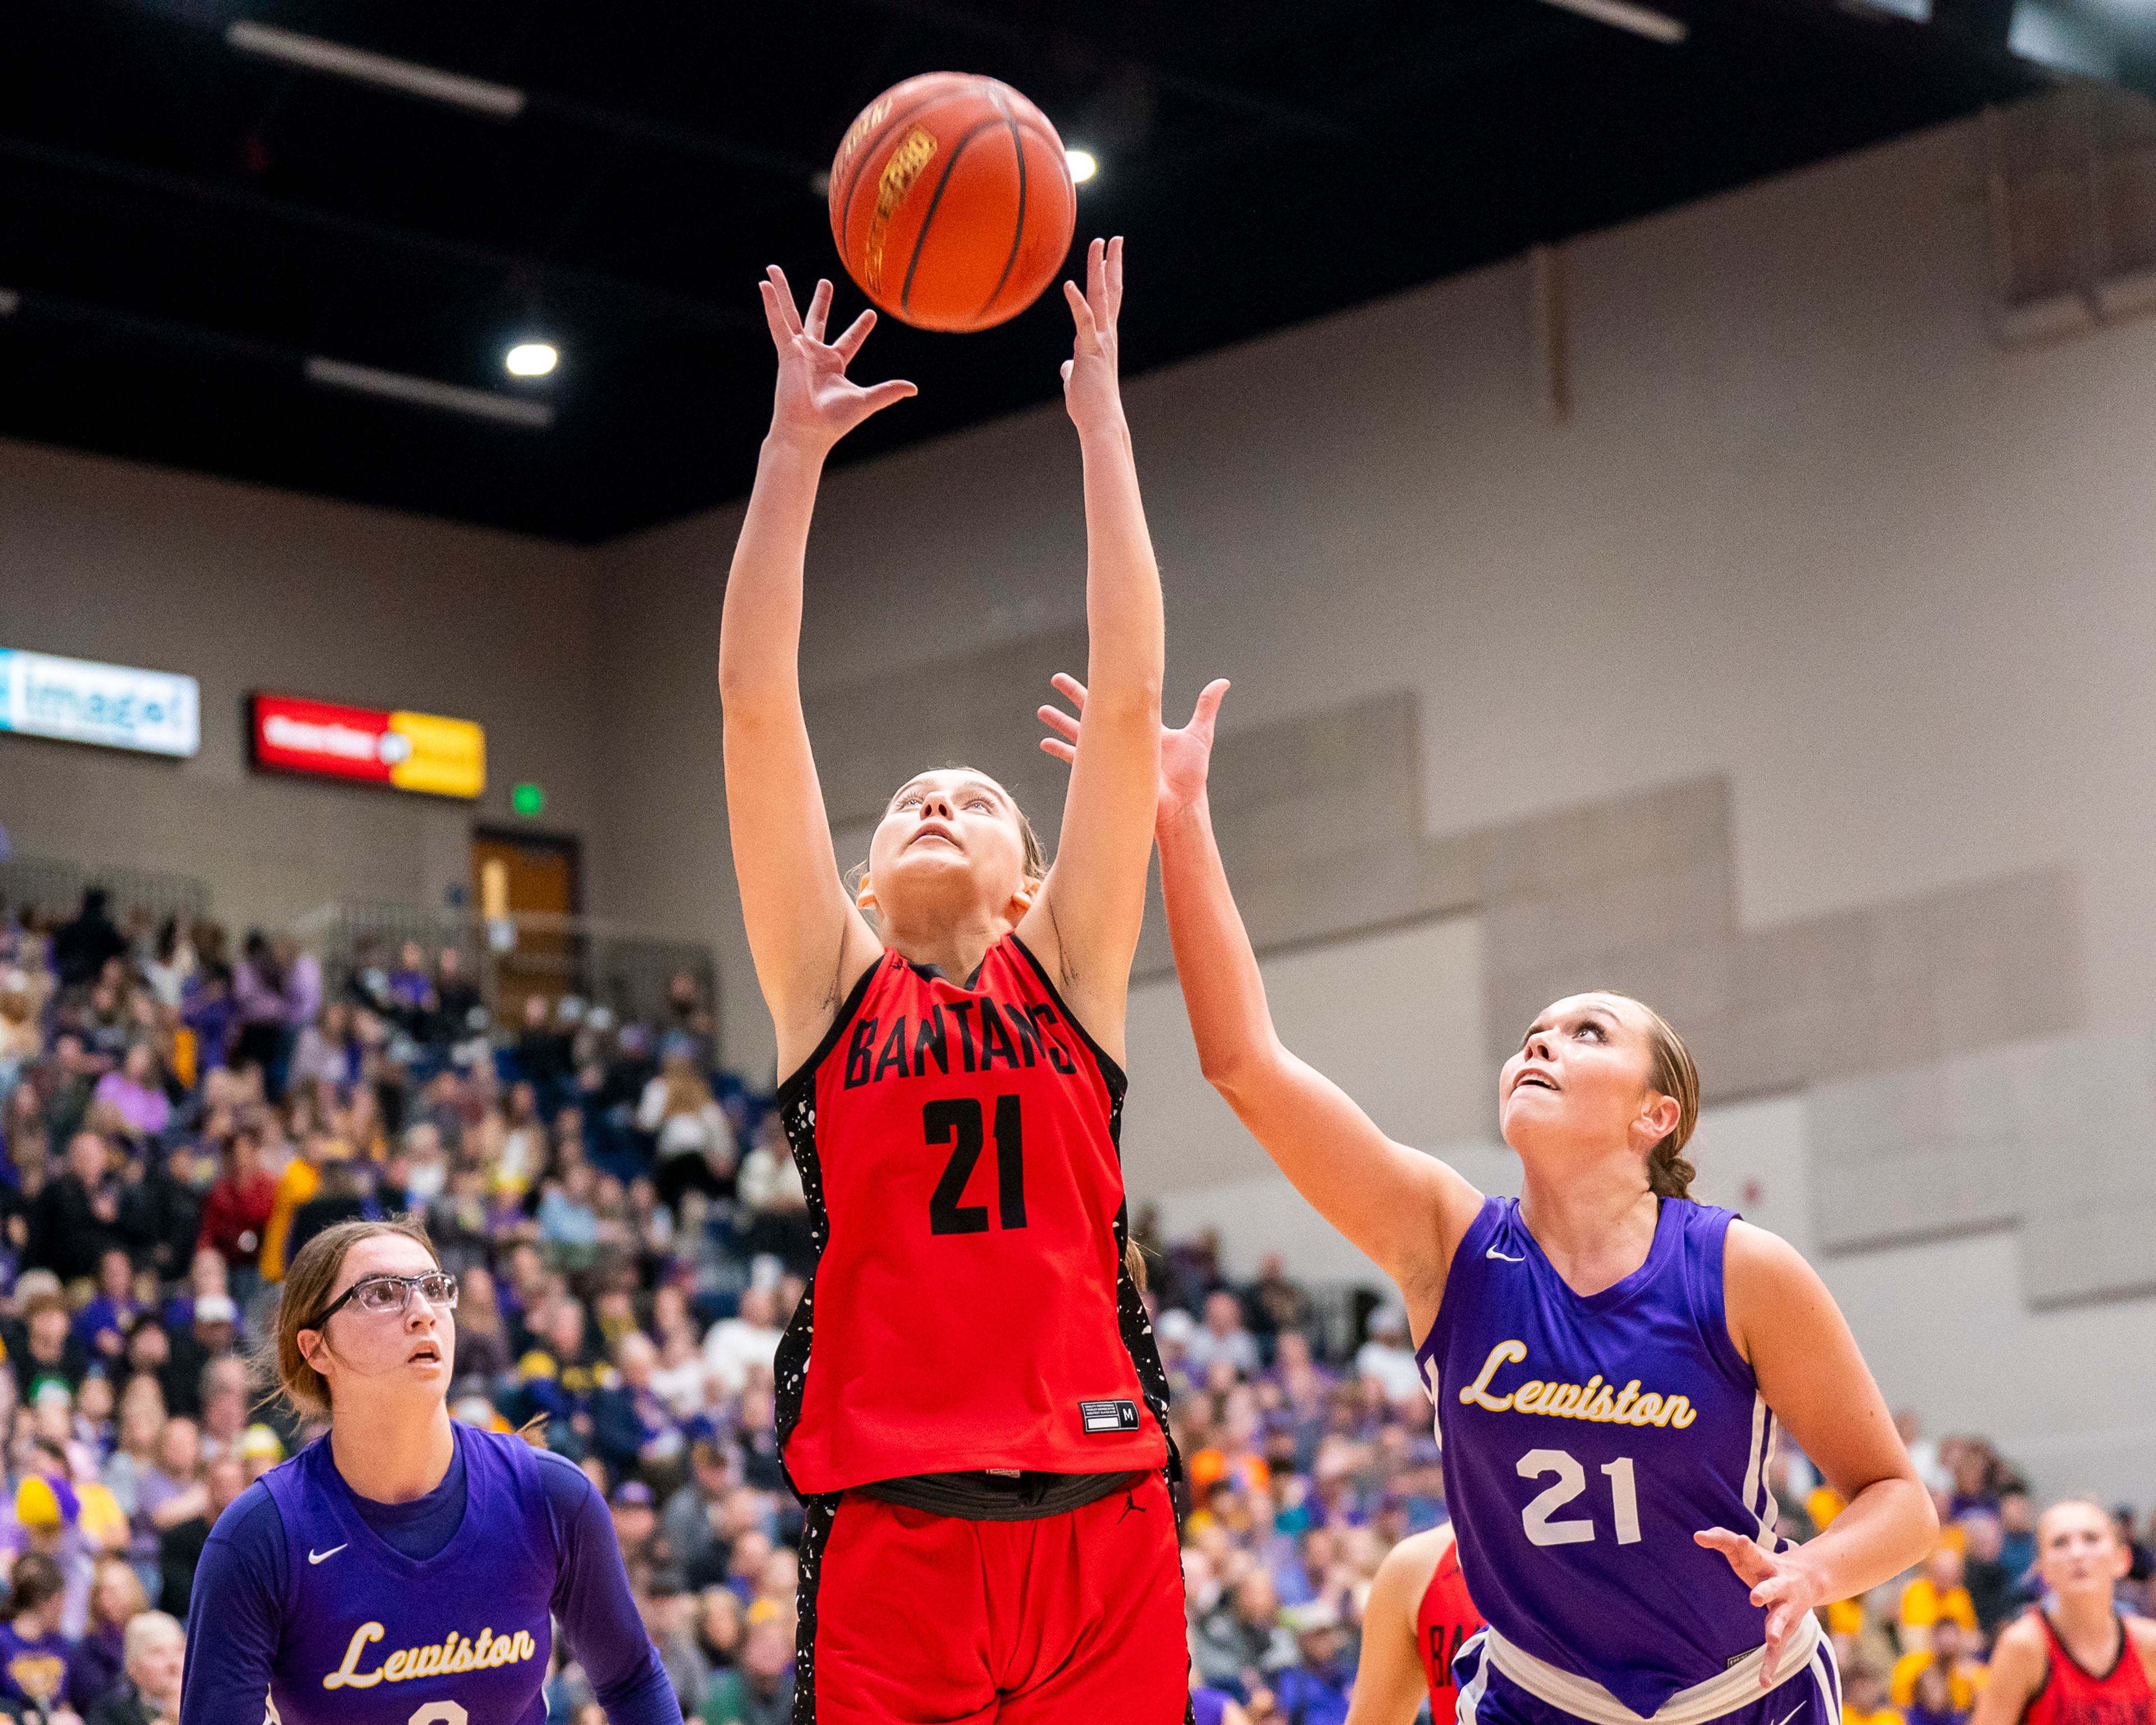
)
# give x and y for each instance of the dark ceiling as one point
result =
(183, 224)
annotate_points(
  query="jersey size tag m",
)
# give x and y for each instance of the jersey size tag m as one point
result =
(1112, 1419)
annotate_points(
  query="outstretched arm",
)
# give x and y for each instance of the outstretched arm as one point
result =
(1389, 1685)
(1784, 1321)
(809, 942)
(1406, 1209)
(1085, 923)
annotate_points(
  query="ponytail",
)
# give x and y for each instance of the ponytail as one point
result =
(1669, 1175)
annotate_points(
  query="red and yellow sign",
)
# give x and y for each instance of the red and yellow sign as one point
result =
(408, 752)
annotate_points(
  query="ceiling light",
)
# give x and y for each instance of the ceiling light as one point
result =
(311, 54)
(531, 359)
(1623, 15)
(1082, 165)
(426, 392)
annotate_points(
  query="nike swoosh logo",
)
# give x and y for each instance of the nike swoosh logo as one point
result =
(316, 1557)
(1502, 1258)
(1791, 1714)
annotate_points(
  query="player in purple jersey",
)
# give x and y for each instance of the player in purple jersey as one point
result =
(1610, 1360)
(406, 1569)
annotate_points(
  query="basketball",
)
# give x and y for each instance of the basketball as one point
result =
(951, 201)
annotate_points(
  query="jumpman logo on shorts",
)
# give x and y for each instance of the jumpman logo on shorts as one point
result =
(1130, 1503)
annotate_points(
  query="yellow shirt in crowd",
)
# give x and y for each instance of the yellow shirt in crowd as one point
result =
(300, 1182)
(1883, 1716)
(1922, 1605)
(1963, 1679)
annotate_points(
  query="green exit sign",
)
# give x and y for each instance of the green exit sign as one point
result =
(528, 800)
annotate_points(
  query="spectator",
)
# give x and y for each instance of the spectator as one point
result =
(259, 998)
(1241, 1643)
(735, 1346)
(760, 1690)
(1864, 1699)
(1993, 1590)
(74, 1222)
(236, 1208)
(1952, 1653)
(770, 1193)
(180, 1544)
(36, 1661)
(155, 1651)
(136, 1089)
(633, 1428)
(1222, 1337)
(1937, 1594)
(51, 1354)
(696, 1145)
(116, 1598)
(1387, 1360)
(102, 1325)
(82, 948)
(1313, 1690)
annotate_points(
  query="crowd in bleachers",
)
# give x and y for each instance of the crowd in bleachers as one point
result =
(631, 1238)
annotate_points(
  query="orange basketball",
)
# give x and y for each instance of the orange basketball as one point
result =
(951, 201)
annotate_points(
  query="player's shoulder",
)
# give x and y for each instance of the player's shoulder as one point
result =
(2022, 1644)
(567, 1486)
(1409, 1567)
(2143, 1629)
(250, 1518)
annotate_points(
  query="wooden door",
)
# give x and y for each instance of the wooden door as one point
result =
(531, 879)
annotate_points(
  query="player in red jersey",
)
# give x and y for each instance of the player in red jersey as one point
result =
(2081, 1662)
(969, 1399)
(1417, 1617)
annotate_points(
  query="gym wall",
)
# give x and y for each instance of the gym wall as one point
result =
(248, 588)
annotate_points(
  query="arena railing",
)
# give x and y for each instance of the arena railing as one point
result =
(617, 965)
(54, 889)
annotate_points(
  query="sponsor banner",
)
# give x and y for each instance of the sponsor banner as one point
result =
(113, 705)
(408, 752)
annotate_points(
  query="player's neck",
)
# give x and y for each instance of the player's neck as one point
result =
(2086, 1619)
(392, 1455)
(1592, 1220)
(954, 946)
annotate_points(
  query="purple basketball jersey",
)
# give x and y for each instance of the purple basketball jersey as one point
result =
(372, 1637)
(1586, 1440)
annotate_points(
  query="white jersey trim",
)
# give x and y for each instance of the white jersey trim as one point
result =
(1584, 1698)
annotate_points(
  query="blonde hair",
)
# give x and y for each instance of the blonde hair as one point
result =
(306, 1290)
(1672, 1074)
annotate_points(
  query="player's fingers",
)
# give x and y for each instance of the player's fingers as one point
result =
(1096, 282)
(849, 344)
(1744, 1557)
(1207, 709)
(1061, 750)
(780, 335)
(1066, 371)
(1115, 276)
(1081, 316)
(1057, 720)
(819, 309)
(1070, 688)
(879, 396)
(784, 293)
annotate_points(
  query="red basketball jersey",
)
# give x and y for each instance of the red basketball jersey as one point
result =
(969, 1308)
(1443, 1621)
(2072, 1696)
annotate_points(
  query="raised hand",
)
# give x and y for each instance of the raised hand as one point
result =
(1781, 1581)
(815, 402)
(1091, 389)
(1186, 755)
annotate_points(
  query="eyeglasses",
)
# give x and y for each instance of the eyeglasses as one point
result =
(388, 1296)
